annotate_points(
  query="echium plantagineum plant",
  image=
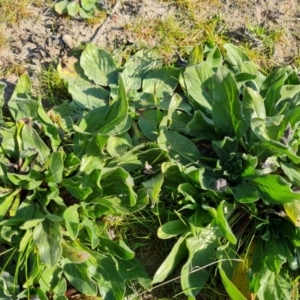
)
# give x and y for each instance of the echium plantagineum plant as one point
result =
(216, 142)
(63, 172)
(239, 182)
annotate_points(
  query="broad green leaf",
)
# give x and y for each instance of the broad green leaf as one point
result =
(86, 95)
(8, 232)
(216, 215)
(138, 66)
(199, 84)
(194, 273)
(8, 143)
(2, 88)
(23, 88)
(223, 223)
(117, 146)
(55, 163)
(274, 254)
(242, 78)
(265, 149)
(50, 130)
(230, 288)
(292, 172)
(152, 158)
(31, 140)
(95, 156)
(61, 7)
(234, 55)
(77, 275)
(92, 232)
(9, 286)
(272, 285)
(92, 180)
(91, 123)
(71, 164)
(161, 82)
(178, 146)
(107, 268)
(226, 109)
(23, 108)
(108, 120)
(148, 123)
(189, 191)
(214, 58)
(80, 140)
(74, 186)
(98, 65)
(6, 202)
(178, 122)
(26, 239)
(153, 187)
(71, 218)
(274, 189)
(118, 182)
(291, 118)
(74, 253)
(134, 270)
(121, 205)
(272, 97)
(225, 147)
(288, 94)
(253, 105)
(122, 251)
(73, 8)
(252, 68)
(25, 181)
(84, 14)
(274, 78)
(31, 223)
(177, 254)
(196, 56)
(88, 4)
(47, 237)
(173, 107)
(201, 177)
(292, 209)
(171, 229)
(52, 278)
(245, 192)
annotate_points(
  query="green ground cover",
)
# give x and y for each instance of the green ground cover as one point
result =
(118, 161)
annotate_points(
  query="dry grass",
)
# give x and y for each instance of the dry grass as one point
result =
(13, 11)
(16, 69)
(182, 30)
(3, 39)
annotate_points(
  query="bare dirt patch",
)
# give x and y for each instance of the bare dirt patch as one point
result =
(281, 18)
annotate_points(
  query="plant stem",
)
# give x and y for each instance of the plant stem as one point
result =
(242, 143)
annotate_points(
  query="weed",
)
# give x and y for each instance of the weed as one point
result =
(51, 86)
(13, 11)
(266, 38)
(98, 18)
(85, 9)
(181, 31)
(16, 69)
